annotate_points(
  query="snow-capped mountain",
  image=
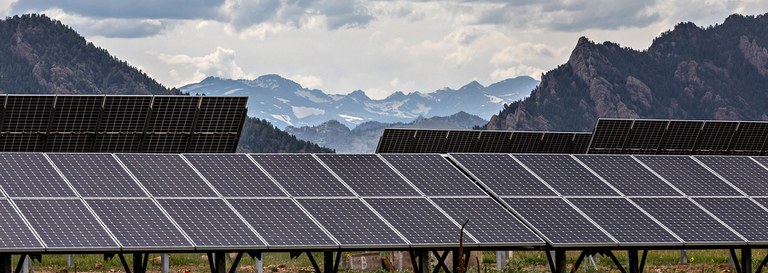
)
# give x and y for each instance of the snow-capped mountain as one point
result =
(286, 103)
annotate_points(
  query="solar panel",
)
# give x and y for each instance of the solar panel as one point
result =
(418, 220)
(741, 171)
(96, 175)
(680, 137)
(461, 141)
(560, 223)
(14, 233)
(433, 175)
(429, 141)
(65, 224)
(566, 175)
(301, 175)
(125, 114)
(610, 135)
(138, 223)
(741, 214)
(494, 142)
(78, 114)
(501, 174)
(688, 221)
(28, 114)
(627, 175)
(625, 222)
(22, 142)
(351, 222)
(581, 143)
(69, 143)
(234, 175)
(715, 137)
(221, 114)
(525, 142)
(31, 175)
(117, 143)
(210, 223)
(396, 141)
(749, 138)
(557, 143)
(166, 175)
(646, 136)
(172, 114)
(368, 175)
(489, 222)
(688, 176)
(281, 222)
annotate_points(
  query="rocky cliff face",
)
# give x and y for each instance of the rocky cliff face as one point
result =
(718, 72)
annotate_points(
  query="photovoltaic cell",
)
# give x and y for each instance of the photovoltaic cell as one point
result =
(623, 220)
(627, 175)
(558, 221)
(581, 143)
(525, 142)
(715, 137)
(433, 175)
(429, 141)
(210, 223)
(749, 138)
(65, 224)
(741, 214)
(281, 222)
(418, 220)
(646, 136)
(557, 143)
(301, 175)
(489, 222)
(494, 142)
(368, 175)
(501, 174)
(688, 176)
(14, 233)
(396, 141)
(680, 137)
(351, 222)
(741, 171)
(234, 175)
(97, 175)
(31, 175)
(461, 141)
(685, 219)
(166, 175)
(138, 223)
(566, 175)
(610, 135)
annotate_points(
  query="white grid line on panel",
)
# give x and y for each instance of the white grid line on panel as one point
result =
(304, 210)
(221, 197)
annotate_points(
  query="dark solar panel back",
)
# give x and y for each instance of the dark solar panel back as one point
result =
(679, 137)
(474, 141)
(151, 124)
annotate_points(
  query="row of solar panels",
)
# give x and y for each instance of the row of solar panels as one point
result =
(610, 136)
(644, 136)
(476, 141)
(164, 202)
(76, 123)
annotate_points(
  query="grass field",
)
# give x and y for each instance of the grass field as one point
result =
(657, 261)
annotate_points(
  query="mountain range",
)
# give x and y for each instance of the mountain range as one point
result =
(690, 72)
(364, 138)
(39, 55)
(286, 103)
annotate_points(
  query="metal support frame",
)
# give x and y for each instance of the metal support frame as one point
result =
(419, 260)
(5, 263)
(762, 264)
(217, 262)
(556, 260)
(440, 261)
(744, 265)
(165, 262)
(259, 261)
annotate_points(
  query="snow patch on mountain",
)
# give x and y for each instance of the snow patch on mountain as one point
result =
(303, 112)
(351, 119)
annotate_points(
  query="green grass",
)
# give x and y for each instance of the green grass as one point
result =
(521, 261)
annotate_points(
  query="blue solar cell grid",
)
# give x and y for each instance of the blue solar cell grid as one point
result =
(351, 222)
(627, 175)
(301, 175)
(741, 214)
(418, 220)
(65, 224)
(31, 175)
(566, 175)
(166, 175)
(433, 175)
(368, 175)
(489, 222)
(688, 221)
(688, 176)
(501, 174)
(97, 175)
(138, 223)
(281, 222)
(558, 221)
(741, 171)
(210, 223)
(625, 222)
(234, 175)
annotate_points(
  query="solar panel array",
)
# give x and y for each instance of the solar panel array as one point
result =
(146, 124)
(199, 202)
(679, 137)
(475, 141)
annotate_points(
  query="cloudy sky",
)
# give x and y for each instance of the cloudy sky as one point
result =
(377, 46)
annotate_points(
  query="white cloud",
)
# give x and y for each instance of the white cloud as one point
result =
(308, 81)
(5, 7)
(220, 63)
(112, 27)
